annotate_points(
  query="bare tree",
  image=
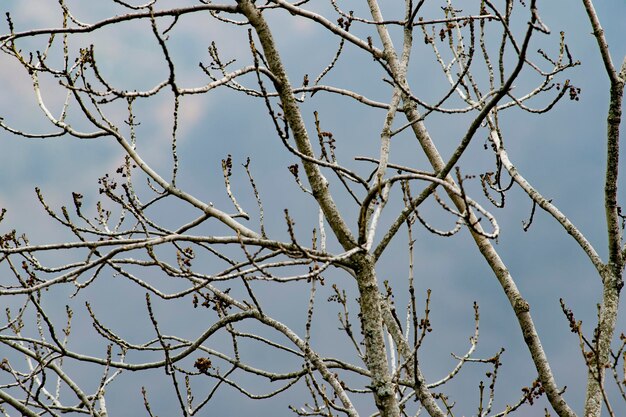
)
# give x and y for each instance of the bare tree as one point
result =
(224, 265)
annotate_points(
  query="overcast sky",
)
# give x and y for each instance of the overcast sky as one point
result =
(561, 153)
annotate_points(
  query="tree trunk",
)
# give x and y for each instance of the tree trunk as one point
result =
(373, 332)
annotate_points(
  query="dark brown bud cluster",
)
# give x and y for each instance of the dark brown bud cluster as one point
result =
(344, 23)
(534, 392)
(574, 92)
(184, 257)
(8, 238)
(203, 365)
(227, 165)
(574, 325)
(294, 170)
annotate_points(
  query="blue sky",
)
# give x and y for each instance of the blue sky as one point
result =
(561, 153)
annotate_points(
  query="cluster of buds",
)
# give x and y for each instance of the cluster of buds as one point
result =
(574, 92)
